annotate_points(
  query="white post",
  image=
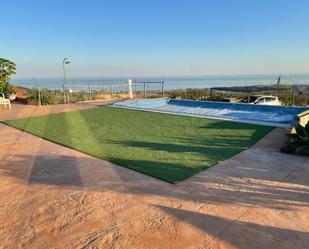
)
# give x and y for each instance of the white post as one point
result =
(130, 89)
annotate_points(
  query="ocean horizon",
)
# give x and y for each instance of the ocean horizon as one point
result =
(170, 82)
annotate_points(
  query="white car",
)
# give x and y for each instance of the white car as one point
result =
(262, 100)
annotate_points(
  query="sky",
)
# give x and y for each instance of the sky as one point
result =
(152, 38)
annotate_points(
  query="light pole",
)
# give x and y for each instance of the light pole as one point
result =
(65, 85)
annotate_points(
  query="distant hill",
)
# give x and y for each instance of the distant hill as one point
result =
(263, 88)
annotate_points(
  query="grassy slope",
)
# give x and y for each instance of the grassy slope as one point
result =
(168, 147)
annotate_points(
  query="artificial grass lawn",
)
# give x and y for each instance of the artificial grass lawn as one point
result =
(164, 146)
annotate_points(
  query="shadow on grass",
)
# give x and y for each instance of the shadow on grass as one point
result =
(170, 172)
(210, 151)
(259, 131)
(217, 124)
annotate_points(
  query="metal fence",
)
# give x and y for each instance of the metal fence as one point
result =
(74, 93)
(289, 97)
(106, 90)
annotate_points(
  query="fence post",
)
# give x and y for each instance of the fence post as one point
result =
(162, 89)
(68, 96)
(64, 98)
(249, 95)
(111, 89)
(39, 93)
(144, 90)
(89, 91)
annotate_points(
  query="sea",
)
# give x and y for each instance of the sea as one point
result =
(170, 82)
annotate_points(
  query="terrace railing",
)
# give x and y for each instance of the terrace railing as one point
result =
(101, 91)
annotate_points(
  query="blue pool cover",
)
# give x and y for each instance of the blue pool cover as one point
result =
(280, 116)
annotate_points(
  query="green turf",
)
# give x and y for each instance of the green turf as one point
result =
(165, 146)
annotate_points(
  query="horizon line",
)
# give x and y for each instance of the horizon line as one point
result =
(162, 76)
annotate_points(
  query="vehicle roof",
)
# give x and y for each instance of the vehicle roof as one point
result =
(260, 96)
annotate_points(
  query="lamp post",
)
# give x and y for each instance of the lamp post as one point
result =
(65, 85)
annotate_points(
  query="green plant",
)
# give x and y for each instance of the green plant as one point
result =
(298, 143)
(45, 96)
(11, 89)
(7, 68)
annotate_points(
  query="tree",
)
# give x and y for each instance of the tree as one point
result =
(7, 68)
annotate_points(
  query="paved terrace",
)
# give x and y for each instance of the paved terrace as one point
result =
(55, 197)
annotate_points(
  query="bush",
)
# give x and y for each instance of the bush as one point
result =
(11, 89)
(47, 96)
(298, 143)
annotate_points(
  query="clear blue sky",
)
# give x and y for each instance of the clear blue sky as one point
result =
(125, 38)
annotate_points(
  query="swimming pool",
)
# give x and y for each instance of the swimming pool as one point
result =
(278, 116)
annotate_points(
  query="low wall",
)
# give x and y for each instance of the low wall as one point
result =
(302, 118)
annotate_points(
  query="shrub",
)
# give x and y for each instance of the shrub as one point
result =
(298, 143)
(11, 89)
(47, 96)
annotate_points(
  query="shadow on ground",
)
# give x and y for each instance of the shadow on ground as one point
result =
(211, 187)
(250, 235)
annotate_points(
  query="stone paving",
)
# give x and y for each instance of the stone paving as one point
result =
(55, 197)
